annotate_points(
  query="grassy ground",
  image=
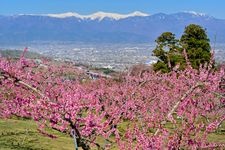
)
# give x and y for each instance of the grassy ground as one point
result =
(219, 135)
(23, 135)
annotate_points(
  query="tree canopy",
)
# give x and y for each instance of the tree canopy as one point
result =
(197, 45)
(169, 50)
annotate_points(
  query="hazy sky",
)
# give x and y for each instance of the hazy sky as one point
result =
(214, 8)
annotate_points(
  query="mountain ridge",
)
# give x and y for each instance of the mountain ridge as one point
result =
(99, 15)
(104, 27)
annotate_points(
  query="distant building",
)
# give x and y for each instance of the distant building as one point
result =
(108, 67)
(150, 62)
(93, 75)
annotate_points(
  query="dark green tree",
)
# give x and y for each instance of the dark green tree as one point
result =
(196, 43)
(168, 52)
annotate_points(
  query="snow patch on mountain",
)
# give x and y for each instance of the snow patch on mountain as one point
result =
(65, 15)
(99, 15)
(196, 13)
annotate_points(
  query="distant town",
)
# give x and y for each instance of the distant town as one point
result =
(113, 56)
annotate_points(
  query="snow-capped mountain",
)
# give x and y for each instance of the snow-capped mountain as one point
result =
(196, 13)
(104, 27)
(99, 15)
(65, 15)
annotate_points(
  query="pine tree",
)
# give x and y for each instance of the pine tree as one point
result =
(196, 43)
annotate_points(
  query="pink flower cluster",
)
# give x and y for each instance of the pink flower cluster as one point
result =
(152, 111)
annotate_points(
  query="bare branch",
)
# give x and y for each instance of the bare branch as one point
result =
(5, 75)
(178, 103)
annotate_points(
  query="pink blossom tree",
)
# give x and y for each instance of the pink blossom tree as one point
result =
(159, 111)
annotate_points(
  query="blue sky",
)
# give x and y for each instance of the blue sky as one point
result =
(214, 8)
